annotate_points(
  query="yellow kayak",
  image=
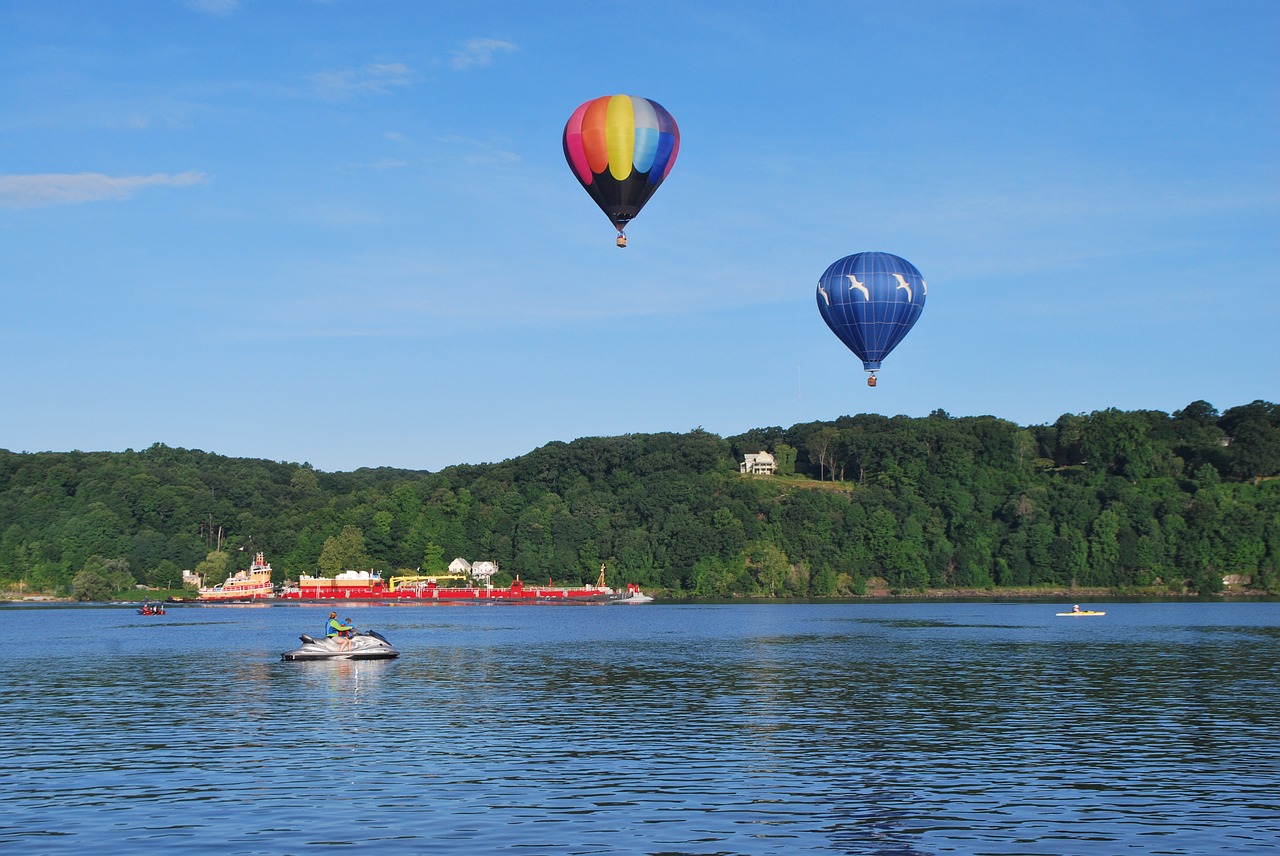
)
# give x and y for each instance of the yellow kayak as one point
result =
(1083, 612)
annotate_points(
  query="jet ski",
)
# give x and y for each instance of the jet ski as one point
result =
(365, 645)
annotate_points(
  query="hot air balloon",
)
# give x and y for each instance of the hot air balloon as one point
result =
(621, 148)
(871, 301)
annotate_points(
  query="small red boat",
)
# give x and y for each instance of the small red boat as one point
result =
(151, 609)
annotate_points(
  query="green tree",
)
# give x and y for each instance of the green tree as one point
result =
(1069, 431)
(50, 577)
(1104, 551)
(712, 577)
(786, 458)
(101, 579)
(343, 552)
(882, 534)
(433, 559)
(821, 448)
(1255, 450)
(1117, 442)
(768, 565)
(304, 482)
(824, 582)
(213, 569)
(1071, 555)
(1040, 554)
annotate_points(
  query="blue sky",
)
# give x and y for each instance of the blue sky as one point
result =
(344, 232)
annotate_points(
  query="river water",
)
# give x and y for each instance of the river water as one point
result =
(854, 728)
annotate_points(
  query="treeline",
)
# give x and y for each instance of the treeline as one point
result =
(1111, 498)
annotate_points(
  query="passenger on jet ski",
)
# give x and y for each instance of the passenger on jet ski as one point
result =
(335, 629)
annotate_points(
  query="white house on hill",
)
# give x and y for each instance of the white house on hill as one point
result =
(478, 570)
(761, 463)
(483, 570)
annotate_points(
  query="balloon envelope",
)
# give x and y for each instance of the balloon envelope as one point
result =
(871, 301)
(620, 149)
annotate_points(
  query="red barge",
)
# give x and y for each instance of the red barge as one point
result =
(369, 585)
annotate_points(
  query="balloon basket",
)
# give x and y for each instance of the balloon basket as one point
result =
(622, 240)
(871, 381)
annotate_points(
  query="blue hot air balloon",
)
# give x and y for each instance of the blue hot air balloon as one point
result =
(871, 301)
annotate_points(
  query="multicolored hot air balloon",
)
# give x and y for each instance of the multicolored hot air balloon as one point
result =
(621, 148)
(871, 301)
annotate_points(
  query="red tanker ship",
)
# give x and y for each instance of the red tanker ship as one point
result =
(369, 585)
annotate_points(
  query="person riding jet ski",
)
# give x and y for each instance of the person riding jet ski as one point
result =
(335, 629)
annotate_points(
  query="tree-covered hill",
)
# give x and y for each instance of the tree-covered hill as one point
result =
(1110, 498)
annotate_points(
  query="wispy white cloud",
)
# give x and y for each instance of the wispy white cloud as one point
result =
(492, 157)
(374, 77)
(94, 113)
(218, 8)
(478, 52)
(381, 164)
(478, 153)
(37, 191)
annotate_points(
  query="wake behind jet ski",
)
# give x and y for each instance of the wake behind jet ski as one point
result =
(365, 645)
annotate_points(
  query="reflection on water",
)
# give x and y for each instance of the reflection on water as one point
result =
(674, 729)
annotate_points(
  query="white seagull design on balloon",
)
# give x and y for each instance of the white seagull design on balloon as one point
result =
(823, 292)
(853, 283)
(902, 283)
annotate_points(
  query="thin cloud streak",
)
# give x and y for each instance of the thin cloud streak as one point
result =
(378, 77)
(217, 8)
(480, 52)
(38, 191)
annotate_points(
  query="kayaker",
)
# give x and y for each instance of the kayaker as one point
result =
(1075, 608)
(337, 630)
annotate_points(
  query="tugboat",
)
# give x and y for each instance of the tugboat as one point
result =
(253, 584)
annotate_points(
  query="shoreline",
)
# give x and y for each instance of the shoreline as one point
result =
(877, 593)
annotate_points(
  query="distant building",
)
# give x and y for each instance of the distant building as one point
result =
(477, 570)
(760, 464)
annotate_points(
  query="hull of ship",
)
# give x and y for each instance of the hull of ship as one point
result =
(233, 597)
